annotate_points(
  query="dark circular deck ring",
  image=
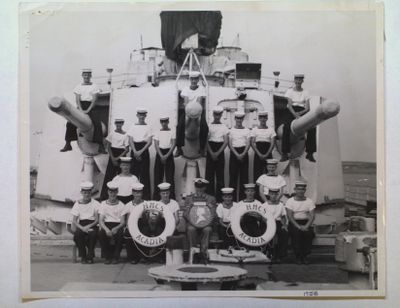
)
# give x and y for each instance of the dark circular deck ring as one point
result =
(193, 269)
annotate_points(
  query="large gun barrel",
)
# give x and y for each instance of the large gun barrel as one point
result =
(326, 110)
(80, 119)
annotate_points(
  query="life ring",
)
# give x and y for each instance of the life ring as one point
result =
(245, 238)
(145, 240)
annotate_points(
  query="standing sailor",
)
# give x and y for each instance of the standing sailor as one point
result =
(298, 105)
(140, 139)
(85, 97)
(270, 180)
(215, 163)
(200, 214)
(192, 94)
(278, 211)
(300, 211)
(164, 142)
(262, 142)
(239, 144)
(112, 221)
(85, 220)
(117, 146)
(125, 180)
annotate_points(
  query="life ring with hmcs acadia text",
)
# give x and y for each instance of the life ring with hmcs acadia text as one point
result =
(245, 238)
(152, 206)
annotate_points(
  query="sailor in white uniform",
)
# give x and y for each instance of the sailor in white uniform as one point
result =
(85, 219)
(125, 180)
(164, 166)
(140, 139)
(271, 179)
(239, 144)
(215, 163)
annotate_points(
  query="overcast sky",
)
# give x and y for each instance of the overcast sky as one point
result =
(335, 50)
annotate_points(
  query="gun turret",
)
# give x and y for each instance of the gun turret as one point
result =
(81, 120)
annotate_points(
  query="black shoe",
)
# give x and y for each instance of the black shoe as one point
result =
(67, 147)
(305, 261)
(299, 261)
(108, 261)
(310, 157)
(84, 261)
(90, 261)
(115, 261)
(284, 157)
(135, 261)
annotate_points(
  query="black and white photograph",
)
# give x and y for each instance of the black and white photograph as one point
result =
(191, 149)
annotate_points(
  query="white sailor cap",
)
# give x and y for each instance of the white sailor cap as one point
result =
(119, 120)
(300, 183)
(272, 161)
(164, 118)
(86, 70)
(141, 110)
(249, 185)
(273, 189)
(112, 185)
(125, 159)
(194, 74)
(239, 114)
(86, 185)
(164, 186)
(263, 113)
(137, 186)
(301, 76)
(200, 182)
(218, 109)
(227, 190)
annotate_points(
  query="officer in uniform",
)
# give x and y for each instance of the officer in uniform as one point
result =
(164, 142)
(140, 139)
(200, 212)
(300, 212)
(215, 163)
(239, 144)
(298, 105)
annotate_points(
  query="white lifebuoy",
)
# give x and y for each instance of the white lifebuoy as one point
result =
(145, 240)
(245, 238)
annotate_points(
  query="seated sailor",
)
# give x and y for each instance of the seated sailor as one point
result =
(251, 223)
(165, 192)
(134, 250)
(85, 97)
(112, 221)
(117, 146)
(271, 179)
(164, 166)
(298, 105)
(224, 213)
(300, 211)
(85, 219)
(125, 180)
(278, 211)
(200, 214)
